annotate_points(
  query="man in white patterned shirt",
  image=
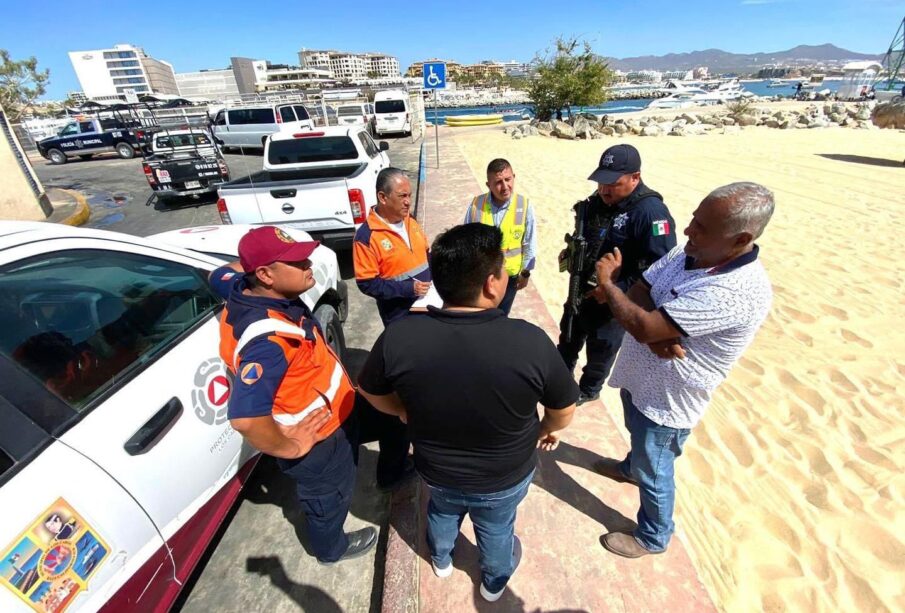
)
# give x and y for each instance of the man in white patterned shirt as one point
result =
(690, 319)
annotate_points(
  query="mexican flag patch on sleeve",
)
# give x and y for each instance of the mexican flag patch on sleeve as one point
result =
(661, 227)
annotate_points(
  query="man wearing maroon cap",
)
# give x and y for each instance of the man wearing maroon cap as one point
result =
(291, 397)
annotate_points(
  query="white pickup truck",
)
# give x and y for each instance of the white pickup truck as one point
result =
(322, 182)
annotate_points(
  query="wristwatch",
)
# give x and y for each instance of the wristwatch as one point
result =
(525, 274)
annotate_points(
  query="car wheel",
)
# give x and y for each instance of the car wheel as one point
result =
(125, 151)
(56, 156)
(343, 290)
(328, 318)
(86, 157)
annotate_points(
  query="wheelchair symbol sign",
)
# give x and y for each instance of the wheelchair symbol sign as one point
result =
(435, 76)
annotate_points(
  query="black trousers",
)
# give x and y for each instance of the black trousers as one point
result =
(392, 436)
(509, 296)
(325, 479)
(603, 338)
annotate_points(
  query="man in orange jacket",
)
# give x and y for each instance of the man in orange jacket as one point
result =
(390, 249)
(291, 397)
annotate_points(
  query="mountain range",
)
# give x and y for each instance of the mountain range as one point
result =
(722, 61)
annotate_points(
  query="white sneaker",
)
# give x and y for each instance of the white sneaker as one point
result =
(443, 572)
(517, 554)
(491, 596)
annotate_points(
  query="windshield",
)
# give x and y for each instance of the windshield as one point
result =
(390, 106)
(312, 149)
(169, 141)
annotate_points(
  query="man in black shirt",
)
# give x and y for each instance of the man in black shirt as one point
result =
(467, 380)
(622, 213)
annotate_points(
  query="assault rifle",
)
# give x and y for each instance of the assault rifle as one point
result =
(576, 252)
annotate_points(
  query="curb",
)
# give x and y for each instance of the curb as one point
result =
(400, 578)
(82, 211)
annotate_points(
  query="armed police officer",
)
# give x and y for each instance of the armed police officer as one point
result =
(623, 213)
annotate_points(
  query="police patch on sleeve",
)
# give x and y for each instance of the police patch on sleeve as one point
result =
(660, 227)
(227, 276)
(251, 372)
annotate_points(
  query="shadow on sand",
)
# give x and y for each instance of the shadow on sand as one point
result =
(862, 159)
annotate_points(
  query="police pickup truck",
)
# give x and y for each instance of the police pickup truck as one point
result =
(86, 137)
(184, 163)
(322, 182)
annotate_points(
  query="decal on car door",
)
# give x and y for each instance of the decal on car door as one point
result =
(53, 559)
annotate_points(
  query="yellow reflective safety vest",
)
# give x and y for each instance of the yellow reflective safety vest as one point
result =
(512, 226)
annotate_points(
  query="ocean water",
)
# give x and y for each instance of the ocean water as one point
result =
(758, 88)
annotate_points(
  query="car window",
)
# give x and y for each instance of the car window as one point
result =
(239, 117)
(86, 126)
(166, 141)
(345, 111)
(82, 321)
(318, 149)
(301, 112)
(69, 129)
(369, 146)
(220, 120)
(390, 106)
(286, 114)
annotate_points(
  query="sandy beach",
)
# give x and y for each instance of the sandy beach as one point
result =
(791, 493)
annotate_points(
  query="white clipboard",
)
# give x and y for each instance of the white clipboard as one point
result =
(432, 298)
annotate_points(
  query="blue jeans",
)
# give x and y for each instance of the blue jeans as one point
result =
(650, 462)
(493, 516)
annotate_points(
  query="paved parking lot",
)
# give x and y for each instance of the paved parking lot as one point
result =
(259, 561)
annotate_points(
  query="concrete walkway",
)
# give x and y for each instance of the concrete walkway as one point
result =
(568, 508)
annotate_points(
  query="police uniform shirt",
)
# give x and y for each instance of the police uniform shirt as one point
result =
(253, 393)
(642, 228)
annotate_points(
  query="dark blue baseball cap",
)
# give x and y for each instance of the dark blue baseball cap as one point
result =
(616, 161)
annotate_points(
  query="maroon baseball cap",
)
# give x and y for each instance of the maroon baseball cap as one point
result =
(268, 244)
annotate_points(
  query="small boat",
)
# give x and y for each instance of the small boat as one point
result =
(473, 120)
(778, 83)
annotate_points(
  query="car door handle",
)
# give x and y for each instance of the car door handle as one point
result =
(153, 430)
(282, 193)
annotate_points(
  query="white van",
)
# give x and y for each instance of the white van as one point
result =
(249, 126)
(392, 113)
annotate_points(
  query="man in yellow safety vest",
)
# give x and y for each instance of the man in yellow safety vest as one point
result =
(513, 215)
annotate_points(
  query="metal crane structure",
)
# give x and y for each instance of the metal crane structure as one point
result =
(894, 60)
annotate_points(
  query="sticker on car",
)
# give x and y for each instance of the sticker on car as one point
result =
(211, 393)
(54, 559)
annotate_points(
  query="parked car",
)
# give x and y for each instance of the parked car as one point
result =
(249, 126)
(322, 182)
(359, 114)
(184, 163)
(86, 137)
(392, 113)
(117, 462)
(317, 115)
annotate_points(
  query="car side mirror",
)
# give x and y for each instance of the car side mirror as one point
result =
(384, 146)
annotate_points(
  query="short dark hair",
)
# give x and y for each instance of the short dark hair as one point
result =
(461, 260)
(386, 177)
(497, 165)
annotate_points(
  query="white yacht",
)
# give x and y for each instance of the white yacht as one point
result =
(696, 96)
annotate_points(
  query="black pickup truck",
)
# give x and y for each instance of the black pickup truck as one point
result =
(183, 163)
(85, 137)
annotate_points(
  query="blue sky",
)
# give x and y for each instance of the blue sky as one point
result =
(192, 37)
